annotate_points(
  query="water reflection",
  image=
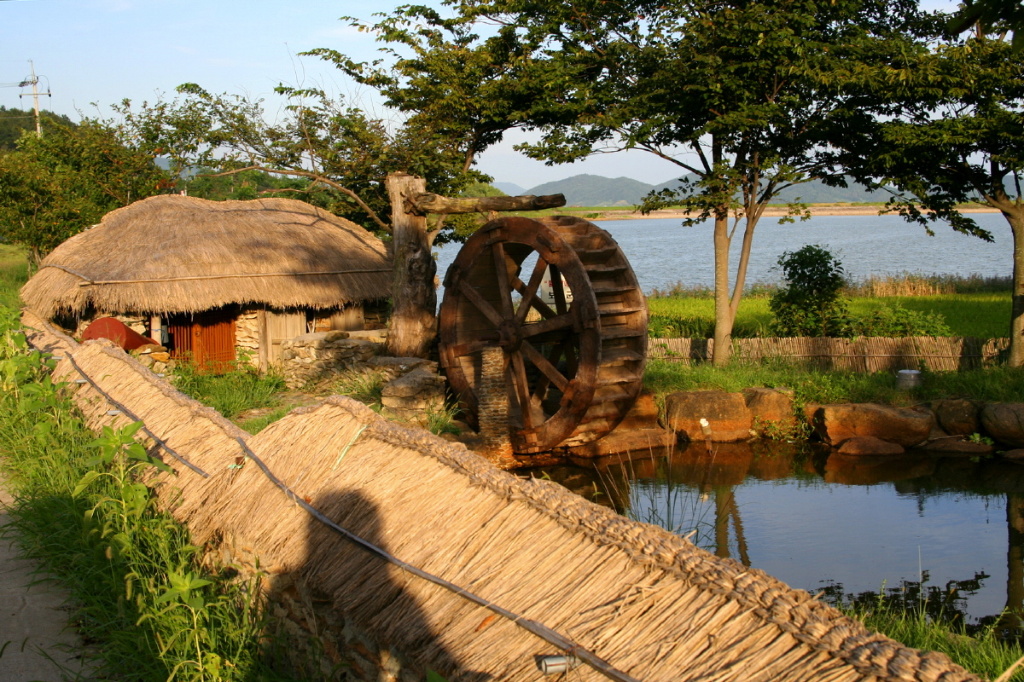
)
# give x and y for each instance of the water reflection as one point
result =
(851, 527)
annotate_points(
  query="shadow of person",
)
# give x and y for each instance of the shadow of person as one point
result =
(380, 618)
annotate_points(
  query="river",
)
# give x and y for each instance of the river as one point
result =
(663, 252)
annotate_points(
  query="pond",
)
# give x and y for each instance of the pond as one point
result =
(950, 529)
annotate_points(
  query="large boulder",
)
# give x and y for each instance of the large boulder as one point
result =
(904, 426)
(727, 414)
(1004, 422)
(957, 417)
(771, 411)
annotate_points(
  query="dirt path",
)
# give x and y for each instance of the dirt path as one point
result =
(35, 639)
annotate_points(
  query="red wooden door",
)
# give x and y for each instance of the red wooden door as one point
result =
(207, 338)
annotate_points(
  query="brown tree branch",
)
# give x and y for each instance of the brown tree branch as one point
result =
(316, 177)
(423, 204)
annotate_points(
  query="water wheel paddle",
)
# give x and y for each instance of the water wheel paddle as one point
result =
(561, 301)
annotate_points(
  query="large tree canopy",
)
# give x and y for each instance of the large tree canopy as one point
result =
(953, 133)
(54, 186)
(745, 97)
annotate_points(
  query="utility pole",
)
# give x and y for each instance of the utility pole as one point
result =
(33, 80)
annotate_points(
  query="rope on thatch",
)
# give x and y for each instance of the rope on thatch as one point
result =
(135, 418)
(90, 282)
(538, 629)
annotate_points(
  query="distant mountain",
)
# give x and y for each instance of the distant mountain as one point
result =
(596, 190)
(509, 188)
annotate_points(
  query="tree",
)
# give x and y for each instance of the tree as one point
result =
(952, 132)
(16, 122)
(343, 158)
(742, 95)
(56, 186)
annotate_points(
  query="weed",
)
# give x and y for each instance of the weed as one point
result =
(240, 388)
(364, 384)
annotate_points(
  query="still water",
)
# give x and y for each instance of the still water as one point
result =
(825, 522)
(662, 252)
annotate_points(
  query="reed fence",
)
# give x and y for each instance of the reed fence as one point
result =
(863, 354)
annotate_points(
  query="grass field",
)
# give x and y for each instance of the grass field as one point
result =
(983, 315)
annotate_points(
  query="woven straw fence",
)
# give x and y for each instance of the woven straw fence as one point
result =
(646, 601)
(862, 354)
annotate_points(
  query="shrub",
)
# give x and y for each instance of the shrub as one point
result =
(897, 321)
(811, 303)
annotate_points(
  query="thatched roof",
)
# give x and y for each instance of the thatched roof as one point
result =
(176, 254)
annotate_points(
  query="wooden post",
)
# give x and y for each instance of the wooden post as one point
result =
(414, 296)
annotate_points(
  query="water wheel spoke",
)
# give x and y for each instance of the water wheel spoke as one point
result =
(534, 302)
(529, 292)
(522, 391)
(459, 350)
(546, 368)
(558, 290)
(480, 303)
(504, 283)
(565, 321)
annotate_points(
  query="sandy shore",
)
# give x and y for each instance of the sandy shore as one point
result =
(816, 209)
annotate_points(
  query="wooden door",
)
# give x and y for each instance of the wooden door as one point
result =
(283, 327)
(207, 338)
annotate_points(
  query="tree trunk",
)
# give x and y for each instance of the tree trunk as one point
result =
(413, 323)
(1016, 220)
(724, 314)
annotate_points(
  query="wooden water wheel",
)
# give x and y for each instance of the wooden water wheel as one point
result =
(574, 351)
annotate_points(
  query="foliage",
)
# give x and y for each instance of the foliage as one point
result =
(242, 387)
(747, 90)
(947, 130)
(56, 186)
(16, 122)
(341, 155)
(897, 321)
(810, 304)
(83, 511)
(243, 185)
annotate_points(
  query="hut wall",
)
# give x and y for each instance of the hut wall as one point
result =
(247, 337)
(646, 601)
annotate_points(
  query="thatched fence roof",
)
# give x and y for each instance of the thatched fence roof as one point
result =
(646, 601)
(176, 254)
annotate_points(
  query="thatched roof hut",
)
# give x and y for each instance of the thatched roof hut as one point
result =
(176, 254)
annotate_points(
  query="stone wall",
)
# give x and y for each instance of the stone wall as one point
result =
(311, 357)
(247, 337)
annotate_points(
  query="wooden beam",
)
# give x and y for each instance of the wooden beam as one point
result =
(422, 204)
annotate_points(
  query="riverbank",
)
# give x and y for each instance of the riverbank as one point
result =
(630, 213)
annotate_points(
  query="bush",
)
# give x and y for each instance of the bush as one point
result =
(811, 303)
(897, 321)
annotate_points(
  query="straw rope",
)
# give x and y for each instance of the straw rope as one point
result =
(648, 602)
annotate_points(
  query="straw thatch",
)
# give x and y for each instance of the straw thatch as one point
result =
(176, 254)
(646, 601)
(862, 354)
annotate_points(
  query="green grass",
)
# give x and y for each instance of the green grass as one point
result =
(995, 384)
(982, 315)
(232, 392)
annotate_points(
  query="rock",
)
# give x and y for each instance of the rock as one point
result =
(727, 413)
(904, 426)
(869, 446)
(956, 445)
(957, 417)
(771, 410)
(1015, 454)
(414, 395)
(1004, 422)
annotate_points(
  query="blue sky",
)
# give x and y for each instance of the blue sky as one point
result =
(103, 51)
